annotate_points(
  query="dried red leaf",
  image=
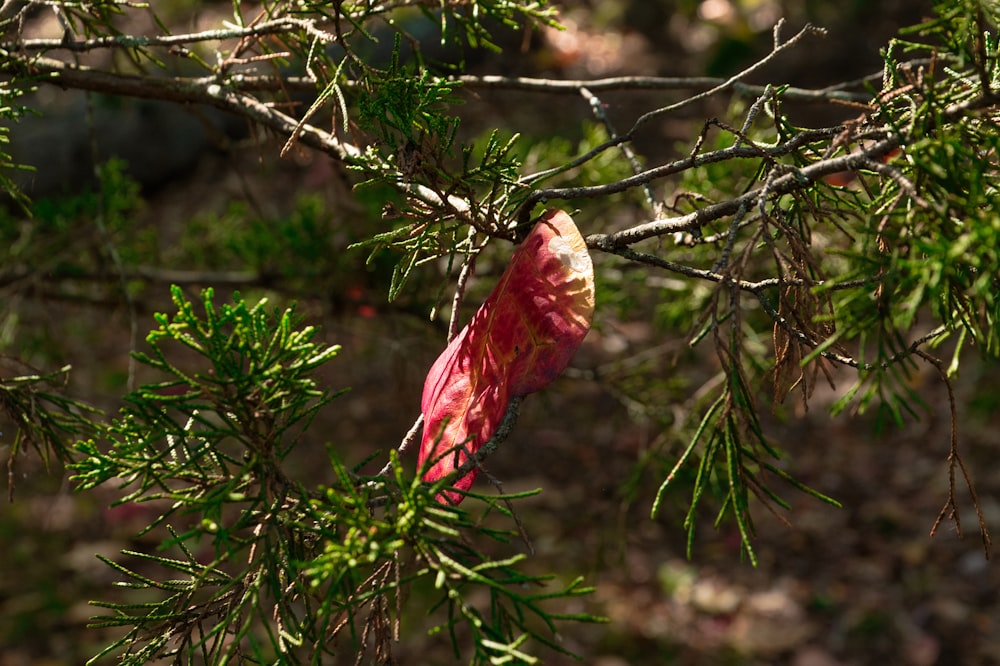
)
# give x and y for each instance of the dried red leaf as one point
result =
(519, 340)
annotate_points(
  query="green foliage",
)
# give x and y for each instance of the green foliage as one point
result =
(257, 388)
(403, 106)
(486, 181)
(63, 234)
(549, 160)
(45, 418)
(293, 250)
(253, 565)
(10, 112)
(930, 230)
(862, 270)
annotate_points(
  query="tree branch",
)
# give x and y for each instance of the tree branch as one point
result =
(264, 28)
(500, 435)
(796, 179)
(778, 48)
(644, 83)
(208, 90)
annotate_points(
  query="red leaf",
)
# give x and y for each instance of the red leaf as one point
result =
(520, 339)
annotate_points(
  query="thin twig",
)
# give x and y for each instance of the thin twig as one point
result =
(500, 435)
(205, 90)
(474, 459)
(759, 289)
(463, 278)
(597, 107)
(411, 436)
(736, 151)
(273, 27)
(950, 508)
(645, 83)
(734, 228)
(778, 48)
(793, 180)
(468, 268)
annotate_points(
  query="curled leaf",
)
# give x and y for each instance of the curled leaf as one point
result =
(520, 339)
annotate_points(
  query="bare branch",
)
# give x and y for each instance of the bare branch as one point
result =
(411, 436)
(955, 463)
(208, 90)
(796, 179)
(778, 48)
(264, 28)
(597, 107)
(736, 151)
(714, 85)
(500, 435)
